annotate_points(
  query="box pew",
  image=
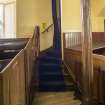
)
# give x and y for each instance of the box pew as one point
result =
(9, 48)
(73, 63)
(12, 82)
(13, 44)
(8, 54)
(4, 63)
(16, 68)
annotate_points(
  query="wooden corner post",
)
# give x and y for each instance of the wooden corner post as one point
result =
(87, 52)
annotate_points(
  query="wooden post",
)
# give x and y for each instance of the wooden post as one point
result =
(87, 52)
(104, 28)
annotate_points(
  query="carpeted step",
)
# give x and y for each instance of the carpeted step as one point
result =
(49, 57)
(51, 78)
(46, 59)
(49, 67)
(52, 86)
(45, 73)
(50, 71)
(53, 54)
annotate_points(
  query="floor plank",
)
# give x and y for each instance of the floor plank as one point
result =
(55, 98)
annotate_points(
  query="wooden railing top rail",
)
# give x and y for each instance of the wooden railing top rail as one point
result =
(46, 30)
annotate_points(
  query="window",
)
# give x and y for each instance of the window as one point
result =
(8, 20)
(1, 21)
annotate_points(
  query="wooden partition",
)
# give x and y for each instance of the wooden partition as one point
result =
(72, 39)
(29, 59)
(73, 61)
(15, 78)
(12, 82)
(31, 52)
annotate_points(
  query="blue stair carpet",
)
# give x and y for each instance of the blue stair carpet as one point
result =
(50, 72)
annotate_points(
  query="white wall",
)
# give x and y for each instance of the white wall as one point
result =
(1, 21)
(10, 20)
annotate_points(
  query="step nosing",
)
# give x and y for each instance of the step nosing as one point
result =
(48, 57)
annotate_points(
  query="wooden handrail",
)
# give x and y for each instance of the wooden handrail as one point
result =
(46, 30)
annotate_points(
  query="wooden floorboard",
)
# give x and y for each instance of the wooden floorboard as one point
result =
(55, 98)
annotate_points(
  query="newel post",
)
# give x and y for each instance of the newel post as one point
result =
(87, 52)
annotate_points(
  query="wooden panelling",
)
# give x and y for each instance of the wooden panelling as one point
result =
(15, 78)
(13, 82)
(74, 38)
(31, 52)
(29, 61)
(73, 59)
(98, 37)
(1, 90)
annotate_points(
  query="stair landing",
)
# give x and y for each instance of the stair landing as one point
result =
(55, 98)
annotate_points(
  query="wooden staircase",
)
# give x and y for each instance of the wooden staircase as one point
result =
(68, 97)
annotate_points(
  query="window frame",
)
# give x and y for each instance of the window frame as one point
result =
(4, 6)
